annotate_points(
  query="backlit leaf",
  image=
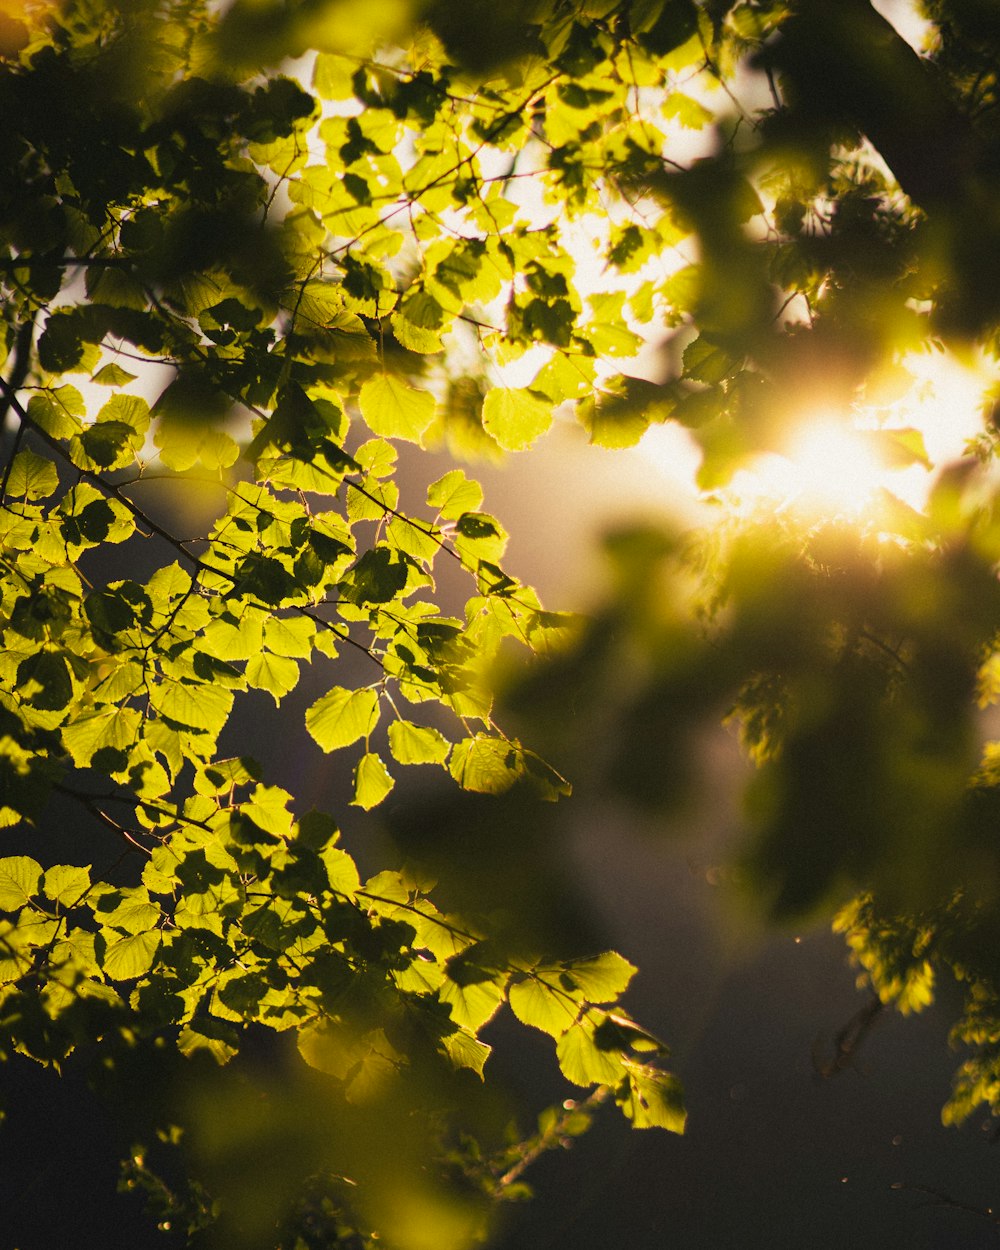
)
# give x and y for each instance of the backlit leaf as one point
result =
(393, 409)
(543, 1004)
(472, 1005)
(583, 1061)
(600, 979)
(342, 716)
(66, 884)
(32, 476)
(516, 417)
(273, 673)
(19, 881)
(371, 781)
(466, 1051)
(486, 765)
(454, 494)
(113, 375)
(113, 728)
(203, 707)
(417, 744)
(290, 636)
(653, 1099)
(131, 957)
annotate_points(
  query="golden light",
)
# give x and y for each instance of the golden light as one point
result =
(838, 464)
(829, 468)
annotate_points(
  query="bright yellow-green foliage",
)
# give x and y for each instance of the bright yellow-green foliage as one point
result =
(233, 302)
(278, 282)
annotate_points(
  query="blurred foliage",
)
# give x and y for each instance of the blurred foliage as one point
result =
(397, 244)
(856, 662)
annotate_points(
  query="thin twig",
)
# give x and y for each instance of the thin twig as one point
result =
(552, 1136)
(92, 805)
(847, 1041)
(942, 1199)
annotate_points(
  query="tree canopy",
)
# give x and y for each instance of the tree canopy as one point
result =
(237, 296)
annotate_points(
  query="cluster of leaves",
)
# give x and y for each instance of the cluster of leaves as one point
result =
(284, 282)
(245, 918)
(308, 268)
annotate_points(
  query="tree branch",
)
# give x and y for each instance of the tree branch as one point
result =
(845, 62)
(19, 371)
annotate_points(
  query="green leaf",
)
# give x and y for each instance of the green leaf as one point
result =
(32, 476)
(130, 411)
(333, 76)
(543, 1005)
(93, 523)
(454, 494)
(583, 1061)
(417, 744)
(297, 425)
(19, 881)
(706, 362)
(58, 411)
(377, 457)
(614, 428)
(341, 870)
(45, 680)
(393, 409)
(131, 957)
(466, 1051)
(608, 333)
(516, 417)
(378, 577)
(109, 444)
(112, 375)
(478, 537)
(267, 807)
(230, 639)
(630, 246)
(114, 728)
(193, 1041)
(222, 775)
(601, 978)
(418, 323)
(290, 636)
(653, 1099)
(134, 914)
(565, 376)
(472, 1005)
(273, 673)
(66, 884)
(696, 408)
(686, 111)
(485, 765)
(327, 1048)
(342, 716)
(371, 781)
(200, 707)
(266, 578)
(60, 347)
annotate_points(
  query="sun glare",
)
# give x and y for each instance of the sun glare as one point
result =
(837, 464)
(828, 468)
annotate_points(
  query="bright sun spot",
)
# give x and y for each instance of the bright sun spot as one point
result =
(828, 468)
(836, 464)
